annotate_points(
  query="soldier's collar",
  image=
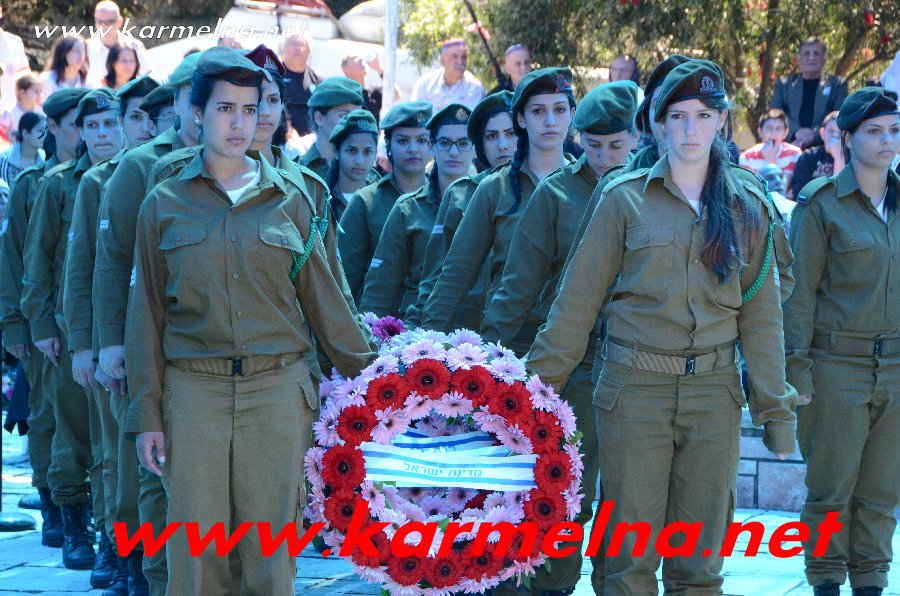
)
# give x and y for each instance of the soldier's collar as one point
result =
(267, 174)
(83, 164)
(845, 183)
(659, 170)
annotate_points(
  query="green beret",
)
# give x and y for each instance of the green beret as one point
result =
(161, 97)
(411, 114)
(867, 103)
(544, 80)
(695, 79)
(334, 92)
(230, 65)
(489, 106)
(138, 87)
(455, 113)
(184, 72)
(608, 109)
(94, 102)
(642, 120)
(60, 102)
(352, 123)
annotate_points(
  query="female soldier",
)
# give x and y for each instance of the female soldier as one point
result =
(392, 283)
(219, 373)
(355, 139)
(491, 130)
(542, 104)
(533, 269)
(842, 332)
(408, 150)
(684, 250)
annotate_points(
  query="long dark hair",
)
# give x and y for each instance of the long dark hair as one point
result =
(27, 123)
(59, 62)
(110, 78)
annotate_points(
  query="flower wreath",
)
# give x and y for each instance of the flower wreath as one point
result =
(428, 385)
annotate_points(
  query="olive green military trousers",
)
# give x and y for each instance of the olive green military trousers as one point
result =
(104, 448)
(669, 450)
(848, 436)
(41, 423)
(70, 460)
(235, 448)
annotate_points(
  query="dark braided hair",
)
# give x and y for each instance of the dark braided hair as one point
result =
(434, 187)
(516, 164)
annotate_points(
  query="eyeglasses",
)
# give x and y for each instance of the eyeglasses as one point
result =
(445, 144)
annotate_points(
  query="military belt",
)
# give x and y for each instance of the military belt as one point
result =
(690, 363)
(235, 367)
(856, 346)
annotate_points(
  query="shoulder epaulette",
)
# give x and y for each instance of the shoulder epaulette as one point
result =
(171, 163)
(812, 187)
(623, 177)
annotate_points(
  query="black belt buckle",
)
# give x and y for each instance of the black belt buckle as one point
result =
(237, 367)
(876, 352)
(690, 363)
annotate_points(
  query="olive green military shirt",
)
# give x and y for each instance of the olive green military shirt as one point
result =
(119, 205)
(644, 246)
(538, 251)
(449, 214)
(846, 269)
(392, 282)
(314, 161)
(78, 310)
(46, 243)
(360, 229)
(212, 281)
(12, 247)
(484, 233)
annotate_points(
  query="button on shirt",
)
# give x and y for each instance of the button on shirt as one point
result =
(191, 282)
(432, 87)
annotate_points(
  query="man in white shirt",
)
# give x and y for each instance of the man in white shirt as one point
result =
(452, 83)
(13, 62)
(108, 19)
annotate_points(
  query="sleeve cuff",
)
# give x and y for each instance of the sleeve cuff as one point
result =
(779, 437)
(143, 419)
(112, 335)
(16, 334)
(44, 329)
(79, 340)
(802, 381)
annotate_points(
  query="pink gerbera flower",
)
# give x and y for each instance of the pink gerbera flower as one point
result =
(453, 404)
(382, 367)
(494, 500)
(515, 439)
(542, 396)
(417, 406)
(425, 348)
(374, 496)
(489, 423)
(575, 457)
(464, 336)
(387, 327)
(370, 318)
(391, 423)
(566, 419)
(312, 463)
(465, 356)
(573, 500)
(507, 369)
(458, 497)
(325, 428)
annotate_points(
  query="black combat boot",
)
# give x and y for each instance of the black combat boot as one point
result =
(77, 550)
(867, 591)
(52, 528)
(106, 564)
(830, 589)
(137, 583)
(119, 586)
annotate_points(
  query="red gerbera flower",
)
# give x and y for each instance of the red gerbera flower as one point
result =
(444, 571)
(487, 563)
(339, 508)
(407, 571)
(428, 377)
(355, 424)
(513, 402)
(477, 502)
(382, 545)
(343, 466)
(545, 432)
(552, 472)
(387, 391)
(476, 384)
(545, 508)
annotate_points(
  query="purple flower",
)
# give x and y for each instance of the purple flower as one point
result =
(390, 424)
(374, 496)
(465, 356)
(464, 336)
(496, 351)
(425, 348)
(542, 396)
(417, 406)
(387, 327)
(575, 455)
(494, 500)
(458, 497)
(453, 404)
(566, 419)
(325, 428)
(312, 463)
(573, 500)
(515, 439)
(434, 507)
(508, 370)
(382, 367)
(489, 423)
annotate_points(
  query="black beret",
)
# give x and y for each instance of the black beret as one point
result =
(867, 103)
(60, 102)
(608, 109)
(642, 120)
(544, 80)
(94, 102)
(455, 113)
(695, 79)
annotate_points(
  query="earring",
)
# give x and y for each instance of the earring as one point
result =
(196, 120)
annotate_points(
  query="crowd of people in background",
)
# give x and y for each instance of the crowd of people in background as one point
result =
(160, 236)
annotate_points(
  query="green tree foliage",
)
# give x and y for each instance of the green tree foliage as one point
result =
(754, 40)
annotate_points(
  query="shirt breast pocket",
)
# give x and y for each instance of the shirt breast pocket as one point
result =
(649, 263)
(853, 254)
(278, 245)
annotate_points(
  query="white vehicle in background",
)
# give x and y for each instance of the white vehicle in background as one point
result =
(251, 22)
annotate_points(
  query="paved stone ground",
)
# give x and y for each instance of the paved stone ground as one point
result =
(26, 567)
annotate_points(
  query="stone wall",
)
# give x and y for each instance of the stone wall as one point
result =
(765, 482)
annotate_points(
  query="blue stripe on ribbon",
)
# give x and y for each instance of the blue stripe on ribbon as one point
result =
(443, 443)
(494, 481)
(431, 464)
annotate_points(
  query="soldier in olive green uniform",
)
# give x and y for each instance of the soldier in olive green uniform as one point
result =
(16, 332)
(542, 106)
(354, 149)
(669, 397)
(203, 386)
(537, 253)
(46, 243)
(491, 130)
(407, 143)
(392, 282)
(120, 470)
(119, 204)
(842, 332)
(159, 105)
